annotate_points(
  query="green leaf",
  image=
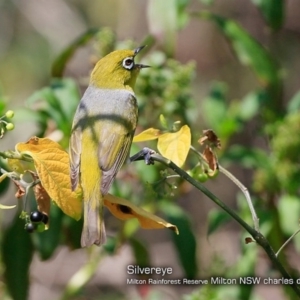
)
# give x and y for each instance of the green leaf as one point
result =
(61, 61)
(250, 53)
(250, 105)
(141, 253)
(51, 107)
(17, 252)
(111, 245)
(185, 242)
(294, 104)
(216, 218)
(67, 94)
(57, 102)
(289, 213)
(217, 112)
(4, 184)
(215, 106)
(273, 11)
(72, 231)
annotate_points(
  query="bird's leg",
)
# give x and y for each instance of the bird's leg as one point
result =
(144, 154)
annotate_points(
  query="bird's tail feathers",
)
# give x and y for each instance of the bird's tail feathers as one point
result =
(93, 227)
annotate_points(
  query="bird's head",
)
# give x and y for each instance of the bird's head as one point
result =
(117, 70)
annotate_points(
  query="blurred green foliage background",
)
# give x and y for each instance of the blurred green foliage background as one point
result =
(229, 65)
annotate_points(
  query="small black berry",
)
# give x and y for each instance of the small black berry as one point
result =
(29, 227)
(36, 216)
(45, 219)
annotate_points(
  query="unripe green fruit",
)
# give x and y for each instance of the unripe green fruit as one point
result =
(202, 177)
(198, 174)
(9, 114)
(10, 126)
(213, 175)
(40, 227)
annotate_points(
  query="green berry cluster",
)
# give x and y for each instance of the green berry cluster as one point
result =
(5, 125)
(199, 173)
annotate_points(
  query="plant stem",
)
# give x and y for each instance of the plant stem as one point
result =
(238, 184)
(203, 189)
(258, 237)
(245, 192)
(289, 239)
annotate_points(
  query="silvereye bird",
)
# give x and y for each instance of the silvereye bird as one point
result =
(102, 132)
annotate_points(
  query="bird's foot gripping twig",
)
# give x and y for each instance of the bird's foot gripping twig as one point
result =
(144, 154)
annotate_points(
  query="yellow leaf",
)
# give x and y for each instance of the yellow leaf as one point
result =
(147, 135)
(7, 206)
(175, 146)
(124, 210)
(52, 165)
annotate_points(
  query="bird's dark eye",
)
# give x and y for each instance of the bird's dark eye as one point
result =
(128, 63)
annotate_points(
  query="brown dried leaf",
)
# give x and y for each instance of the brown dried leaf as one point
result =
(124, 210)
(20, 189)
(212, 160)
(211, 138)
(249, 240)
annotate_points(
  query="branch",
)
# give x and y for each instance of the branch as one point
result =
(238, 184)
(257, 236)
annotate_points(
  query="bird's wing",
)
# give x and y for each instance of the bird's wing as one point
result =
(74, 154)
(112, 119)
(113, 151)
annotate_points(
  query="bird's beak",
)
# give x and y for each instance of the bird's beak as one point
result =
(136, 51)
(141, 66)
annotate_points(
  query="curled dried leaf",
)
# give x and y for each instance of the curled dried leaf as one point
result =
(212, 160)
(210, 138)
(249, 240)
(124, 210)
(20, 189)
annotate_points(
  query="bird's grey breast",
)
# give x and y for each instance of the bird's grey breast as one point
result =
(114, 105)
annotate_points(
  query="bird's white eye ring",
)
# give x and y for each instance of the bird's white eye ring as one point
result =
(128, 63)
